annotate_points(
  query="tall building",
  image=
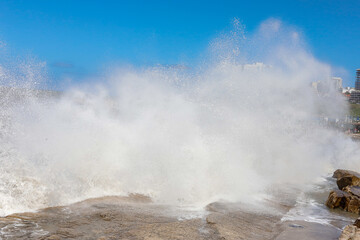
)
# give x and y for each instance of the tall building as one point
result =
(355, 95)
(357, 81)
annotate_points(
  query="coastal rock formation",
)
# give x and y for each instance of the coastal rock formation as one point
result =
(348, 195)
(341, 172)
(351, 232)
(346, 178)
(355, 190)
(338, 199)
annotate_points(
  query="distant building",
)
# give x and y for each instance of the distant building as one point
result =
(348, 90)
(337, 81)
(357, 81)
(355, 95)
(327, 86)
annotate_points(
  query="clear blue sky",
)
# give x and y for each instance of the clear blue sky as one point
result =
(77, 38)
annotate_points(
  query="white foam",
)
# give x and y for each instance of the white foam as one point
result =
(227, 129)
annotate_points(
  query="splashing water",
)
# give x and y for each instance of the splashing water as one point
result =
(232, 128)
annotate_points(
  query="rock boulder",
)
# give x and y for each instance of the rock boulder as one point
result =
(348, 195)
(346, 178)
(350, 232)
(338, 199)
(341, 172)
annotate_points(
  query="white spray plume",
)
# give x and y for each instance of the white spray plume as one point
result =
(231, 128)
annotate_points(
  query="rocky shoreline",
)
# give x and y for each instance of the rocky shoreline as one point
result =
(137, 217)
(347, 198)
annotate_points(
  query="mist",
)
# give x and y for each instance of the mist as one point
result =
(234, 126)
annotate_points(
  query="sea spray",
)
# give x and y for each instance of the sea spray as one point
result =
(233, 127)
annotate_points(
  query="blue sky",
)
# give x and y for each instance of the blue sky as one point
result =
(79, 38)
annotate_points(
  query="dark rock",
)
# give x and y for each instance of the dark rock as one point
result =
(353, 205)
(348, 198)
(357, 223)
(341, 173)
(346, 178)
(338, 199)
(344, 182)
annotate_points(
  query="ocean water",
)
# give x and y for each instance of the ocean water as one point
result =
(310, 207)
(238, 126)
